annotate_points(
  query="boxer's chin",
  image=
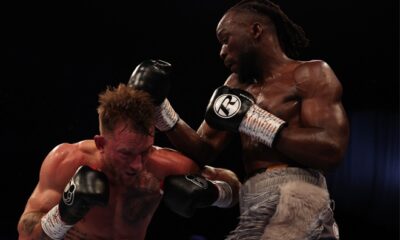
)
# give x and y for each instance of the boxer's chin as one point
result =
(234, 68)
(142, 181)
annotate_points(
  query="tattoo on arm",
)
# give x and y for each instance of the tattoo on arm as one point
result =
(29, 221)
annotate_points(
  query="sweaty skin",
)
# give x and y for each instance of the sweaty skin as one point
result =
(306, 94)
(310, 104)
(134, 186)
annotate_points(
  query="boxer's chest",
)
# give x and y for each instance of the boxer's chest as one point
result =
(126, 217)
(278, 96)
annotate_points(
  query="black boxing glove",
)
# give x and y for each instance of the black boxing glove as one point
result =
(227, 108)
(183, 194)
(153, 76)
(87, 188)
(234, 110)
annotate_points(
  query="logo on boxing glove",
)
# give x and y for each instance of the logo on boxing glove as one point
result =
(227, 105)
(69, 193)
(201, 182)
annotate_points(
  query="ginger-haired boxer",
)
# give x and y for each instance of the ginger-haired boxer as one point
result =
(109, 187)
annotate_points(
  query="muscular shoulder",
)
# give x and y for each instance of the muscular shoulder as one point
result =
(65, 153)
(233, 81)
(311, 70)
(62, 161)
(59, 154)
(166, 161)
(313, 78)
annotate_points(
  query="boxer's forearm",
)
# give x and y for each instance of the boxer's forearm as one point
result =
(187, 141)
(29, 227)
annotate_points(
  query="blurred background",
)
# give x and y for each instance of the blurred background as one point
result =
(57, 57)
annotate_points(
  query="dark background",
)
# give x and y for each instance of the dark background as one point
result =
(58, 56)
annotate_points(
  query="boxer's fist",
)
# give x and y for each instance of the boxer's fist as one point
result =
(152, 76)
(227, 108)
(184, 193)
(86, 188)
(234, 110)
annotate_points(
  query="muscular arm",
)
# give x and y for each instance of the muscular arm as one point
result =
(165, 162)
(46, 194)
(321, 137)
(202, 146)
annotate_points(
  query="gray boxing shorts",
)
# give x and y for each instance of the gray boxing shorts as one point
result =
(285, 204)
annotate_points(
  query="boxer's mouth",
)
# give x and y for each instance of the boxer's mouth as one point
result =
(131, 173)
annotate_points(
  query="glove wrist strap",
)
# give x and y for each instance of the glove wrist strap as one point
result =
(225, 195)
(166, 117)
(261, 125)
(52, 224)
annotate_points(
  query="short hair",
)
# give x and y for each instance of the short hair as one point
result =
(291, 36)
(125, 104)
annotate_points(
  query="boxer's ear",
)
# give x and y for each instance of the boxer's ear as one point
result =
(100, 142)
(257, 30)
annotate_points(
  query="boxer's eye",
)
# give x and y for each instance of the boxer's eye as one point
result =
(125, 153)
(225, 38)
(146, 152)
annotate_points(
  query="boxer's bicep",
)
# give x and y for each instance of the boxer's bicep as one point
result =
(165, 161)
(319, 139)
(321, 104)
(47, 192)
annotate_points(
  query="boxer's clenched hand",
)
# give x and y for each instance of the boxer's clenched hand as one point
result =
(87, 188)
(153, 76)
(234, 110)
(183, 194)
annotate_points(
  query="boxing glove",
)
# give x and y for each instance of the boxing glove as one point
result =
(227, 108)
(183, 194)
(87, 188)
(234, 110)
(153, 76)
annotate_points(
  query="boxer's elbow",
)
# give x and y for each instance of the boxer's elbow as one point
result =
(331, 156)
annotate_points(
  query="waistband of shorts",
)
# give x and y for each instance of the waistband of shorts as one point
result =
(271, 168)
(281, 175)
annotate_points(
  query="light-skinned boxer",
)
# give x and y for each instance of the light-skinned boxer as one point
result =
(109, 187)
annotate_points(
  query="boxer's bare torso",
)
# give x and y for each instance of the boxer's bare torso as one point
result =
(133, 197)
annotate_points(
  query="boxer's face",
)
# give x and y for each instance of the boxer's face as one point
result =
(125, 152)
(234, 32)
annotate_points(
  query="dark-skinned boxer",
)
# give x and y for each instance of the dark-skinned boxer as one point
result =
(290, 119)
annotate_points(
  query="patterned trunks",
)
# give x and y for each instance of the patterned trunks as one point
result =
(285, 204)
